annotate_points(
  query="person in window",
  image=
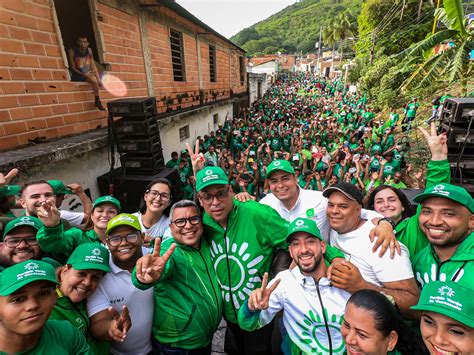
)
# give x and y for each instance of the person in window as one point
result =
(83, 67)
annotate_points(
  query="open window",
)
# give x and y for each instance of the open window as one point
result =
(76, 19)
(242, 70)
(177, 55)
(212, 63)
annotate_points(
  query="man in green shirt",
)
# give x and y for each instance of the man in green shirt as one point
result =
(27, 298)
(173, 163)
(410, 113)
(447, 219)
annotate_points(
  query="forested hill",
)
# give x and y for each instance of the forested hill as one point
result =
(295, 28)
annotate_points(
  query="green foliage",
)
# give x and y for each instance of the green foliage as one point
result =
(296, 28)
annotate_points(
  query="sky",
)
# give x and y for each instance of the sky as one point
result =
(230, 16)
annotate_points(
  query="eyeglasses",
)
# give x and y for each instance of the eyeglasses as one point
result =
(14, 242)
(208, 198)
(116, 240)
(181, 222)
(164, 196)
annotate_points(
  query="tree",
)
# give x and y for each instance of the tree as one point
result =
(443, 56)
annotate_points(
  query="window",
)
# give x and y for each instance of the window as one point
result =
(212, 63)
(84, 24)
(177, 57)
(184, 133)
(215, 119)
(242, 70)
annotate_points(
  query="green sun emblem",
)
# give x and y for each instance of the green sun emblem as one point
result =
(313, 337)
(246, 280)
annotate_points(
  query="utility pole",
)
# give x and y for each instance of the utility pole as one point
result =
(319, 48)
(372, 49)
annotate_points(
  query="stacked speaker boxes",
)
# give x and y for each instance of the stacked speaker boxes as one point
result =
(137, 135)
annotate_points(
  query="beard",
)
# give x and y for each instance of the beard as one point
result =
(309, 268)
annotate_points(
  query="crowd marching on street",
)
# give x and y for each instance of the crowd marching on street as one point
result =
(293, 227)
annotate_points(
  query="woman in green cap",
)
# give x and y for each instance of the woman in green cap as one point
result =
(447, 318)
(78, 279)
(52, 238)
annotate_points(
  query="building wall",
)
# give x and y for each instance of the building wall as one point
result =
(200, 123)
(39, 102)
(254, 79)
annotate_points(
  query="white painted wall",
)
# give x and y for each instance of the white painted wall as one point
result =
(199, 125)
(253, 86)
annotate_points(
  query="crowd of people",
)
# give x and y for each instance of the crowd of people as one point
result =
(290, 223)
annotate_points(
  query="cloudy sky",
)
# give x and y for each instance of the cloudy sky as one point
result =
(230, 16)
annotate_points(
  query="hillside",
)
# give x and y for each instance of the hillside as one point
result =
(293, 29)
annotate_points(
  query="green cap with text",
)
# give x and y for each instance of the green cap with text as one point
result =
(455, 193)
(107, 199)
(29, 221)
(276, 165)
(10, 190)
(210, 175)
(449, 299)
(303, 225)
(15, 277)
(90, 256)
(123, 219)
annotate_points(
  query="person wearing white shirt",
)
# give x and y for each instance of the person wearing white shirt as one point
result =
(362, 269)
(313, 308)
(115, 291)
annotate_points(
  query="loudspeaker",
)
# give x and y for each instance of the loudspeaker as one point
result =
(132, 107)
(410, 194)
(129, 189)
(458, 111)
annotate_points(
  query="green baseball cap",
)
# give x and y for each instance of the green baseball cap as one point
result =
(10, 190)
(59, 188)
(210, 175)
(90, 256)
(276, 165)
(455, 193)
(29, 221)
(107, 199)
(123, 219)
(15, 277)
(449, 299)
(303, 225)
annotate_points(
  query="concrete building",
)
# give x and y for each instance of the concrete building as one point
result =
(49, 127)
(257, 86)
(270, 68)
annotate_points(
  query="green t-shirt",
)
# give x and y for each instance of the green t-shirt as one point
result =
(172, 164)
(59, 337)
(411, 109)
(390, 168)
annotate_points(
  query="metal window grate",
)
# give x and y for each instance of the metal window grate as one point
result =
(212, 63)
(177, 58)
(184, 133)
(242, 70)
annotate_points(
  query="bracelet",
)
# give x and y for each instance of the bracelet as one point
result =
(387, 220)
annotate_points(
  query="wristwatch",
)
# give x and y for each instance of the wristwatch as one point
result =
(387, 220)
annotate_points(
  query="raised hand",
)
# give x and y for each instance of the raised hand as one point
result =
(150, 267)
(260, 297)
(197, 159)
(437, 143)
(120, 325)
(5, 179)
(75, 188)
(49, 214)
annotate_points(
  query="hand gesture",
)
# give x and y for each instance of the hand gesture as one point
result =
(383, 162)
(254, 166)
(260, 297)
(76, 189)
(384, 236)
(388, 178)
(49, 214)
(5, 179)
(150, 267)
(346, 276)
(120, 325)
(197, 159)
(356, 158)
(437, 143)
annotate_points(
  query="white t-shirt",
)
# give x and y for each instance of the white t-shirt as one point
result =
(156, 230)
(310, 204)
(116, 290)
(357, 248)
(74, 218)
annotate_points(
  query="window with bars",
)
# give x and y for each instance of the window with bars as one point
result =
(242, 70)
(177, 55)
(212, 63)
(184, 133)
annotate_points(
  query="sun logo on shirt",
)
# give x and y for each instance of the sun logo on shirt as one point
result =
(244, 273)
(313, 336)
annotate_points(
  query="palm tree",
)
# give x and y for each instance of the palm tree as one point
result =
(450, 64)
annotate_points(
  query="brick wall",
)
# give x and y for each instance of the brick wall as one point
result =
(37, 99)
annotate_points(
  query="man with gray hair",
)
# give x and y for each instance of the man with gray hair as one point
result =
(188, 301)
